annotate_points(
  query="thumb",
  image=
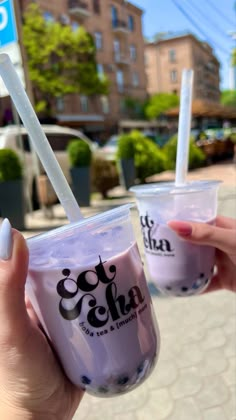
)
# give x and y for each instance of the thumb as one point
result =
(13, 273)
(205, 234)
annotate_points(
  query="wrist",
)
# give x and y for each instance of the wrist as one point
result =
(16, 414)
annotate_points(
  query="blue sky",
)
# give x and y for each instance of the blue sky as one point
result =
(209, 20)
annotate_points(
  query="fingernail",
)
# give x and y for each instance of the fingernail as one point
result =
(182, 228)
(5, 240)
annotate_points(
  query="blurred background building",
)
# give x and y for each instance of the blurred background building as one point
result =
(166, 58)
(117, 30)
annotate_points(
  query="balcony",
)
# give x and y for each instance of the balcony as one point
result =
(121, 59)
(120, 26)
(78, 8)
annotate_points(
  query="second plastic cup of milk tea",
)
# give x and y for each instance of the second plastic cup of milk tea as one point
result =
(177, 267)
(87, 285)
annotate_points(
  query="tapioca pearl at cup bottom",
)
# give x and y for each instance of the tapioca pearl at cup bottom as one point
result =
(140, 368)
(197, 284)
(184, 290)
(122, 383)
(85, 380)
(122, 380)
(102, 390)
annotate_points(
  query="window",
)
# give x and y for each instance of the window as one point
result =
(135, 79)
(173, 76)
(131, 23)
(114, 16)
(120, 80)
(100, 71)
(60, 105)
(172, 56)
(98, 40)
(133, 52)
(84, 103)
(116, 47)
(25, 141)
(96, 6)
(105, 104)
(123, 107)
(59, 141)
(48, 16)
(74, 26)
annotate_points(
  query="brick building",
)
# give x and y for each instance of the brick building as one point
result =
(166, 58)
(117, 29)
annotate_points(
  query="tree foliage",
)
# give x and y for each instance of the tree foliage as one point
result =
(134, 108)
(159, 103)
(61, 61)
(148, 157)
(228, 97)
(234, 57)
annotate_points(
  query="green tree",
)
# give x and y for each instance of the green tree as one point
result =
(228, 97)
(159, 103)
(234, 57)
(61, 61)
(134, 108)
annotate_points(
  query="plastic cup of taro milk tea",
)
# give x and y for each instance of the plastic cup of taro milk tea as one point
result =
(87, 285)
(86, 282)
(177, 267)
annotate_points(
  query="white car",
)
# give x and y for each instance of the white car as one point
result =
(16, 138)
(109, 150)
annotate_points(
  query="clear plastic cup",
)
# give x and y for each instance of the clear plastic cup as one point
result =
(177, 267)
(87, 285)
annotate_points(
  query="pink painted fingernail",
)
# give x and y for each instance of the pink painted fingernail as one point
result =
(181, 228)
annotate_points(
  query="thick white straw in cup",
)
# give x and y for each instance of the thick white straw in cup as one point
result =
(184, 127)
(38, 138)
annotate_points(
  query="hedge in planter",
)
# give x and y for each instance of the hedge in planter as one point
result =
(148, 157)
(104, 175)
(125, 154)
(80, 157)
(196, 156)
(12, 199)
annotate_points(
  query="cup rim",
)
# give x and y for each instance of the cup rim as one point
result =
(94, 222)
(169, 188)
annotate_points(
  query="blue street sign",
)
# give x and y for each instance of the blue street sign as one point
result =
(8, 32)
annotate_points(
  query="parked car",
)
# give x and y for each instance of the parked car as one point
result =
(109, 150)
(58, 137)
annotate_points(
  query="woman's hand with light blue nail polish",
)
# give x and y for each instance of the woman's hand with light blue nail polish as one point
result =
(32, 383)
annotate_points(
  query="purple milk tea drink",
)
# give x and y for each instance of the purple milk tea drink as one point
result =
(87, 285)
(177, 267)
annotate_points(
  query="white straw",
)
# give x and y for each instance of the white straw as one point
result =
(184, 127)
(38, 138)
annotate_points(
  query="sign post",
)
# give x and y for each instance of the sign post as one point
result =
(8, 32)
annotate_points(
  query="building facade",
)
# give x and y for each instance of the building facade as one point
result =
(166, 58)
(116, 26)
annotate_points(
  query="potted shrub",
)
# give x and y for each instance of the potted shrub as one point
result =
(12, 199)
(80, 157)
(125, 154)
(104, 175)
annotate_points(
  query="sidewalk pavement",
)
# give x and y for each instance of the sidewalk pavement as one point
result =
(195, 378)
